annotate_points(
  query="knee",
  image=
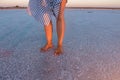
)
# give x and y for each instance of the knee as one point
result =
(60, 18)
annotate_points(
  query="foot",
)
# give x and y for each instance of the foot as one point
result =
(58, 51)
(46, 47)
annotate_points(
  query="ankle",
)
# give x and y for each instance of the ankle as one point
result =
(59, 45)
(49, 43)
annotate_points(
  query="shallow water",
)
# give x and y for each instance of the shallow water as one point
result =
(91, 47)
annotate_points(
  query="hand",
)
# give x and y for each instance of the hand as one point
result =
(44, 4)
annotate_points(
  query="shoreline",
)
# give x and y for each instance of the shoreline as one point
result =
(108, 8)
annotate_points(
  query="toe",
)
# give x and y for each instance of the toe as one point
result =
(58, 52)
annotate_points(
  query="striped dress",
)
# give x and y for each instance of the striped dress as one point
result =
(43, 10)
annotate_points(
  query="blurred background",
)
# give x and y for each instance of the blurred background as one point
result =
(71, 3)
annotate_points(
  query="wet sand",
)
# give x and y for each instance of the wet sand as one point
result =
(91, 47)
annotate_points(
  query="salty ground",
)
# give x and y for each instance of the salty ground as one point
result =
(91, 47)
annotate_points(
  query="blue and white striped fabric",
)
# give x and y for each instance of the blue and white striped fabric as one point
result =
(42, 10)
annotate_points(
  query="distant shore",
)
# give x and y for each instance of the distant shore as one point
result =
(92, 8)
(17, 7)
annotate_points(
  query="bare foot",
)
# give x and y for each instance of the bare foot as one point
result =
(58, 51)
(46, 47)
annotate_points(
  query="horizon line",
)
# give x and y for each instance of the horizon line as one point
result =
(20, 7)
(17, 6)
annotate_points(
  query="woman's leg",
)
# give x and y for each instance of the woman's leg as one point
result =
(60, 28)
(48, 33)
